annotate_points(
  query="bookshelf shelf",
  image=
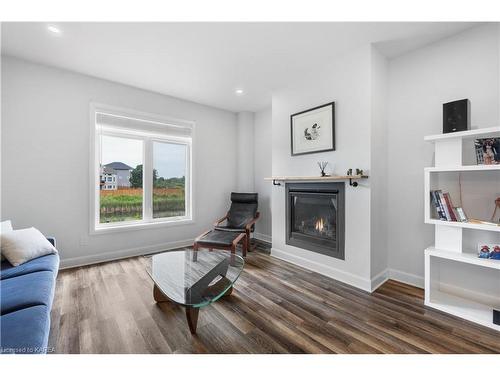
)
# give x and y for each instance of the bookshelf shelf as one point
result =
(456, 278)
(464, 308)
(475, 133)
(489, 227)
(464, 168)
(469, 258)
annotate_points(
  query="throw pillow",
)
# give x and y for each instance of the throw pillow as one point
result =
(20, 246)
(5, 226)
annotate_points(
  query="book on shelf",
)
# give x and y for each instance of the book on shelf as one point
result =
(437, 205)
(444, 207)
(449, 206)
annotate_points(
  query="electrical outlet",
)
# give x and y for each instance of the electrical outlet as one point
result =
(84, 241)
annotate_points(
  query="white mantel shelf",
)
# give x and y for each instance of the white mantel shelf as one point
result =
(316, 179)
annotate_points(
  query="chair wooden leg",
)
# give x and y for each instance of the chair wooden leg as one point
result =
(247, 240)
(244, 247)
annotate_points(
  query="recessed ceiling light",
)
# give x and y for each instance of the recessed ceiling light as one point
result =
(54, 29)
(238, 92)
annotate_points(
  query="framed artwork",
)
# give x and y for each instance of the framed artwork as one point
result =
(313, 130)
(487, 150)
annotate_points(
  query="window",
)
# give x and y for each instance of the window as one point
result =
(145, 163)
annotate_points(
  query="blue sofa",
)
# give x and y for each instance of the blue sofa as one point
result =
(26, 295)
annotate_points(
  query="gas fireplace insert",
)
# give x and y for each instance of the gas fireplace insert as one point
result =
(315, 217)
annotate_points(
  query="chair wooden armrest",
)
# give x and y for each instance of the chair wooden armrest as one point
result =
(248, 226)
(202, 235)
(221, 220)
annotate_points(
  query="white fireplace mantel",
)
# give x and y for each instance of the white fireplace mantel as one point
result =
(316, 179)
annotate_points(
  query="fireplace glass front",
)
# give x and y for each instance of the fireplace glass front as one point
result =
(315, 217)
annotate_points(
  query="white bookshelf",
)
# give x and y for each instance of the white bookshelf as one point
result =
(448, 260)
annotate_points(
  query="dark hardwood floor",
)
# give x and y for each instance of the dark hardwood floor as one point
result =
(275, 307)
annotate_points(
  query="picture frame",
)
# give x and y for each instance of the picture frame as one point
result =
(487, 151)
(313, 130)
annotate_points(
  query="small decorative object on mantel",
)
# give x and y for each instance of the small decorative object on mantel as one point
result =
(322, 165)
(497, 207)
(313, 130)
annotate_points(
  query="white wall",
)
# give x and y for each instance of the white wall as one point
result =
(378, 171)
(347, 82)
(245, 147)
(463, 66)
(263, 168)
(45, 159)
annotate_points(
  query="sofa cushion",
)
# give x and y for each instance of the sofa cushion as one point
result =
(45, 263)
(28, 290)
(25, 331)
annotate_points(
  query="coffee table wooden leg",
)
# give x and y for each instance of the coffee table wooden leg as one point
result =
(192, 318)
(158, 295)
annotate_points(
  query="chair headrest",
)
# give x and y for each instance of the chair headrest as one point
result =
(244, 197)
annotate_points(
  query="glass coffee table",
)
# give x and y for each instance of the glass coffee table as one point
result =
(194, 278)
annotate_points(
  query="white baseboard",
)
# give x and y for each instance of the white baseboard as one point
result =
(379, 279)
(406, 278)
(345, 277)
(263, 237)
(120, 254)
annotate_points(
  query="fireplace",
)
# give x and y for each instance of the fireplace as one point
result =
(315, 217)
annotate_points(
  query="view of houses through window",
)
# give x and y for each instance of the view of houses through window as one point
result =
(121, 193)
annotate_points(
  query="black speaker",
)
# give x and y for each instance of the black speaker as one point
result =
(496, 317)
(456, 116)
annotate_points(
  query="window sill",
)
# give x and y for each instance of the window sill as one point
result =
(158, 223)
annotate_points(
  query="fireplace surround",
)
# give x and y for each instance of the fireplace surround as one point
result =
(315, 217)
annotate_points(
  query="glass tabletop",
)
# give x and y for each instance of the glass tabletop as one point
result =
(195, 278)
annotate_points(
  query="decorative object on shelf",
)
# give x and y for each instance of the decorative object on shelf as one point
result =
(484, 251)
(359, 172)
(488, 251)
(322, 165)
(495, 254)
(497, 206)
(487, 151)
(349, 172)
(313, 130)
(456, 116)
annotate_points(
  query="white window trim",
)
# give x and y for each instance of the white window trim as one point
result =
(95, 227)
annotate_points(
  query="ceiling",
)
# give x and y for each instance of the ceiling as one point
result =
(207, 62)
